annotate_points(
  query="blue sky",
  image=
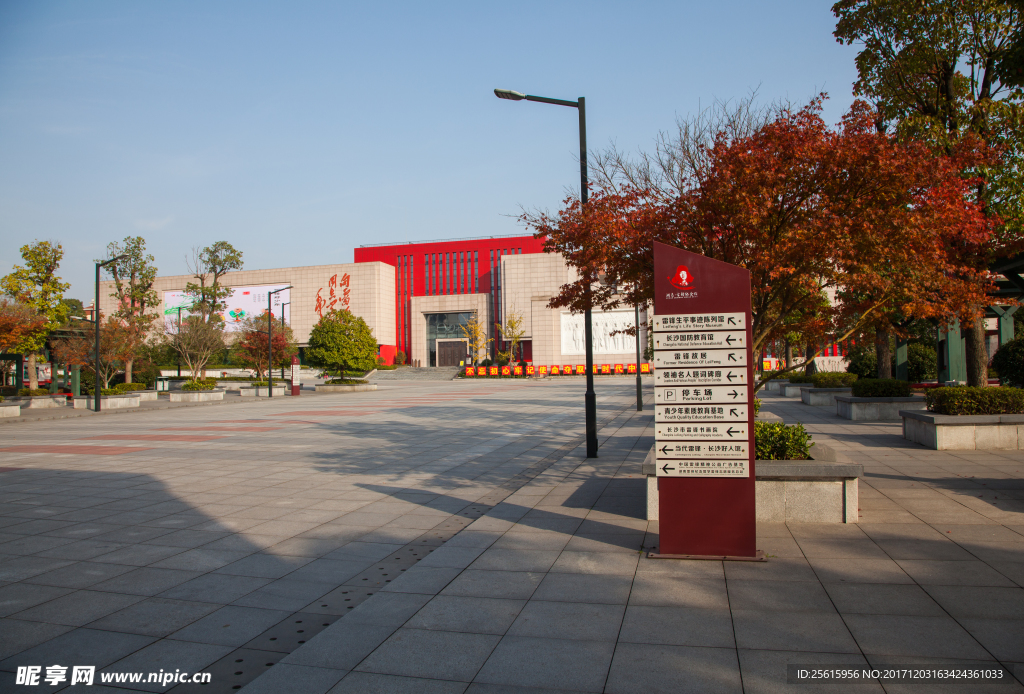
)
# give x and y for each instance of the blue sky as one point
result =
(300, 130)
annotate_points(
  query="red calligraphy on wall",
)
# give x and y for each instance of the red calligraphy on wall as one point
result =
(334, 299)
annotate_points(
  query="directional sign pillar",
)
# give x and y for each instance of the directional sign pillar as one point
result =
(704, 415)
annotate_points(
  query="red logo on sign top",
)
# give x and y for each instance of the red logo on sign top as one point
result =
(682, 278)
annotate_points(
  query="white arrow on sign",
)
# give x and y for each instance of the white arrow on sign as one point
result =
(705, 431)
(682, 395)
(699, 321)
(687, 358)
(721, 339)
(683, 413)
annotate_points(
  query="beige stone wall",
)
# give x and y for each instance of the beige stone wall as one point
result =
(529, 282)
(448, 303)
(372, 294)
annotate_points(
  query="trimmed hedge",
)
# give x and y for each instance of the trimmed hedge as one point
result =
(128, 387)
(800, 377)
(881, 388)
(1009, 362)
(830, 379)
(346, 382)
(778, 441)
(966, 400)
(28, 392)
(199, 384)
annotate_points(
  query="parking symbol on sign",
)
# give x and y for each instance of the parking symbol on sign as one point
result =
(670, 395)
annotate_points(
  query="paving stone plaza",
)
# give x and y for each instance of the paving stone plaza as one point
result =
(452, 537)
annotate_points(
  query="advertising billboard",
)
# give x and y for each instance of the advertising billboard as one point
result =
(242, 303)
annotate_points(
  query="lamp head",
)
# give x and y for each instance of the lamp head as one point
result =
(509, 94)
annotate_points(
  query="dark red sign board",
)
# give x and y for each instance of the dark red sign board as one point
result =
(705, 516)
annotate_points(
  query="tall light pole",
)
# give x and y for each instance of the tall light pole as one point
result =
(639, 387)
(96, 312)
(270, 340)
(287, 303)
(590, 399)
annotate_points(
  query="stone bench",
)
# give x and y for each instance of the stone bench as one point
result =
(964, 432)
(339, 388)
(34, 402)
(262, 391)
(774, 385)
(9, 409)
(876, 409)
(107, 402)
(792, 491)
(822, 397)
(792, 390)
(196, 395)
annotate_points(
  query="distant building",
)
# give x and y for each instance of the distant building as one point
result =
(414, 296)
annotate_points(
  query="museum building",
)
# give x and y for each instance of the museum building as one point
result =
(416, 296)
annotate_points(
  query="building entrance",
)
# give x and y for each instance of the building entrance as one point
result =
(451, 353)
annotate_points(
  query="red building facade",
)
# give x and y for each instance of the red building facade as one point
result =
(438, 268)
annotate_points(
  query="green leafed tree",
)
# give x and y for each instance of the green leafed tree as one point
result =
(37, 285)
(938, 71)
(134, 276)
(208, 266)
(340, 342)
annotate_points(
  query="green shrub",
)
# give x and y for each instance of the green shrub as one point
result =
(778, 441)
(829, 379)
(922, 362)
(346, 382)
(881, 388)
(1009, 362)
(757, 406)
(399, 358)
(863, 362)
(966, 400)
(27, 392)
(800, 377)
(199, 384)
(128, 387)
(111, 391)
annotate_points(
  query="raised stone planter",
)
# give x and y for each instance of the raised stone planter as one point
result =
(196, 395)
(35, 402)
(323, 388)
(876, 409)
(964, 432)
(763, 416)
(261, 391)
(774, 385)
(144, 395)
(792, 491)
(792, 390)
(9, 409)
(822, 397)
(107, 402)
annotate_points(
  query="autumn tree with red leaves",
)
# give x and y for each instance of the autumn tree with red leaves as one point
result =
(251, 345)
(19, 324)
(810, 211)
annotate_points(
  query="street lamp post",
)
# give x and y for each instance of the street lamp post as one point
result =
(639, 387)
(590, 399)
(96, 315)
(270, 339)
(179, 333)
(287, 303)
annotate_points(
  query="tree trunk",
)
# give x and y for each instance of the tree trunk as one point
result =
(976, 353)
(810, 367)
(128, 371)
(883, 353)
(33, 376)
(789, 354)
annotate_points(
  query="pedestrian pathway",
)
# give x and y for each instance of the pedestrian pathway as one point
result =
(452, 537)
